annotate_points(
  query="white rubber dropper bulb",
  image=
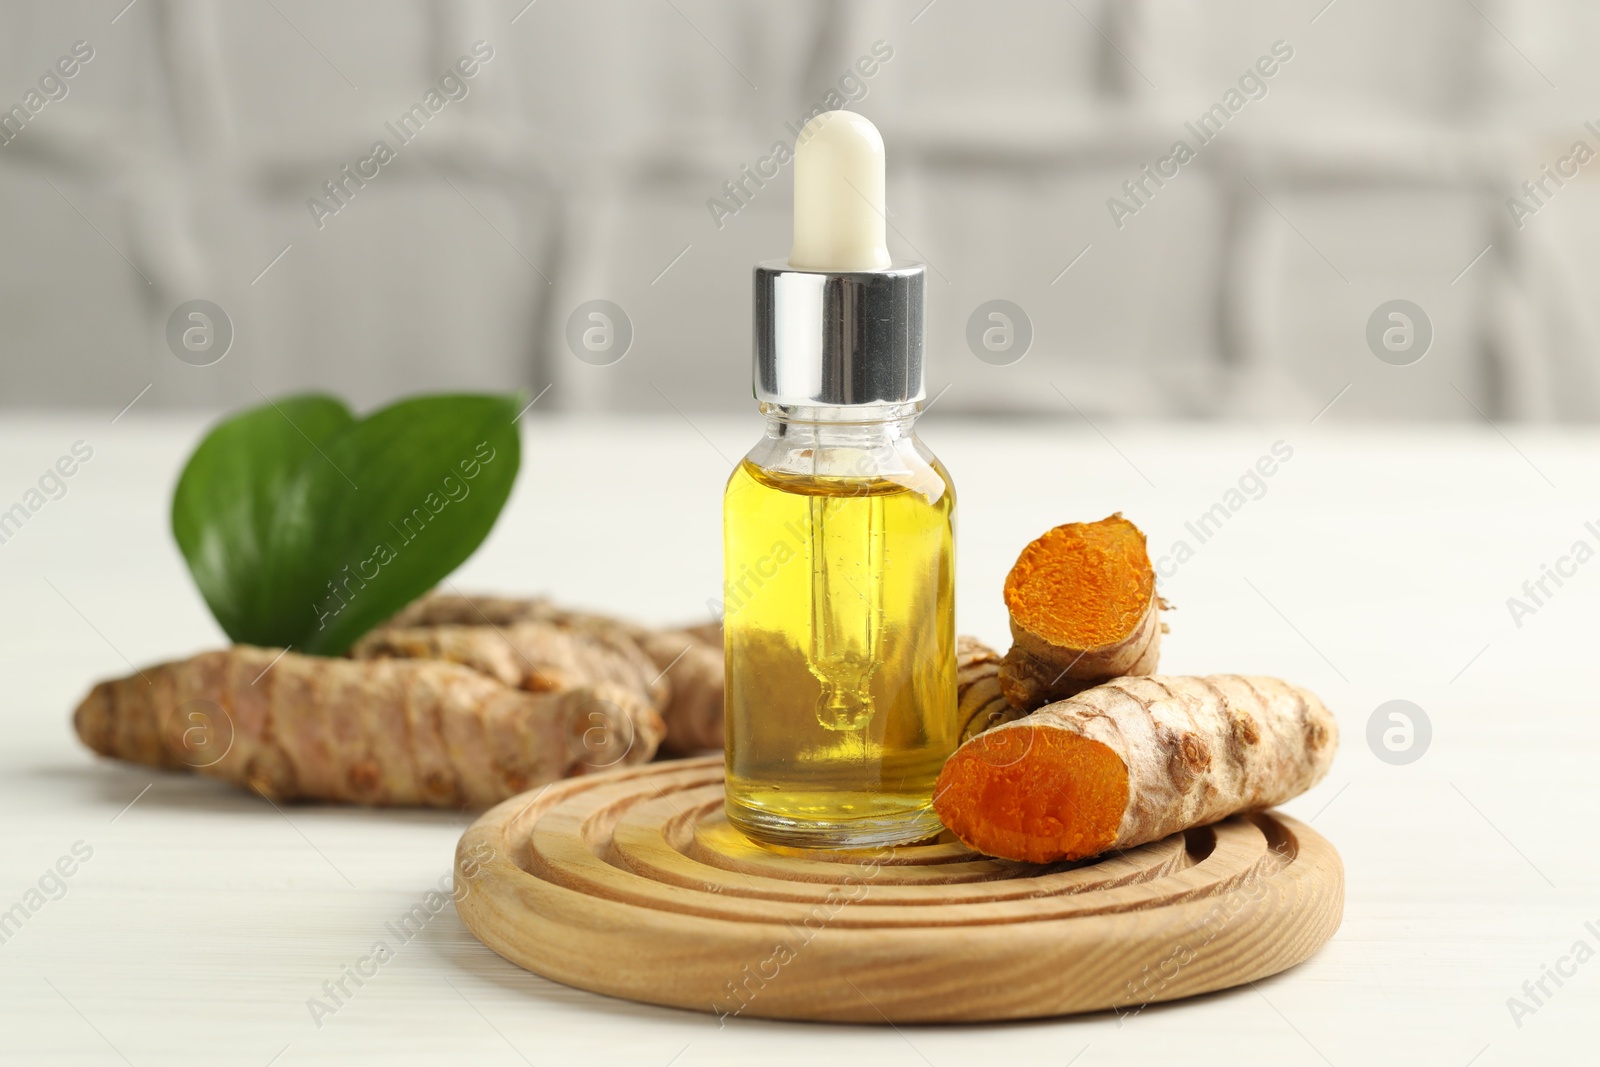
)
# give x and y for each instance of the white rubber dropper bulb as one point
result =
(839, 220)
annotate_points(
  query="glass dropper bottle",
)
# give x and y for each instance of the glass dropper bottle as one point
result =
(838, 532)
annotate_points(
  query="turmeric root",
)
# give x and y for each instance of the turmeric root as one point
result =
(376, 732)
(438, 609)
(980, 704)
(693, 666)
(462, 629)
(689, 658)
(1083, 610)
(687, 689)
(1133, 761)
(533, 655)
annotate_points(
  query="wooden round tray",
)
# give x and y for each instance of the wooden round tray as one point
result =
(632, 883)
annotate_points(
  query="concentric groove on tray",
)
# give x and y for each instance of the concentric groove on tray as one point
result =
(640, 865)
(574, 843)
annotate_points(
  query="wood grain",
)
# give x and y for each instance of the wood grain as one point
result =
(631, 883)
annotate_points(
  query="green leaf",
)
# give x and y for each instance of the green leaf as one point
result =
(373, 516)
(227, 501)
(404, 497)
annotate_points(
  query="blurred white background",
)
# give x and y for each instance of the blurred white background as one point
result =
(580, 160)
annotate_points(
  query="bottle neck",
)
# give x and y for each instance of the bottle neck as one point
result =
(876, 441)
(852, 420)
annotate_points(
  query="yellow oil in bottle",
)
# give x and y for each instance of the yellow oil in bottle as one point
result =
(840, 639)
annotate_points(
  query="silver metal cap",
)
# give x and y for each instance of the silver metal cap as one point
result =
(826, 338)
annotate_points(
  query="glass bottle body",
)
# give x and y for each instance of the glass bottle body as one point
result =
(839, 629)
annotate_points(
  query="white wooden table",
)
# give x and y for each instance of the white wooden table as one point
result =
(1376, 567)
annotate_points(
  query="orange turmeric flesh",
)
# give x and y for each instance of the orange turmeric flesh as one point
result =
(1132, 761)
(1083, 606)
(1034, 794)
(1083, 585)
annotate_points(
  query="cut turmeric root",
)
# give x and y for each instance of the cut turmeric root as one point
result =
(1133, 761)
(1084, 610)
(407, 732)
